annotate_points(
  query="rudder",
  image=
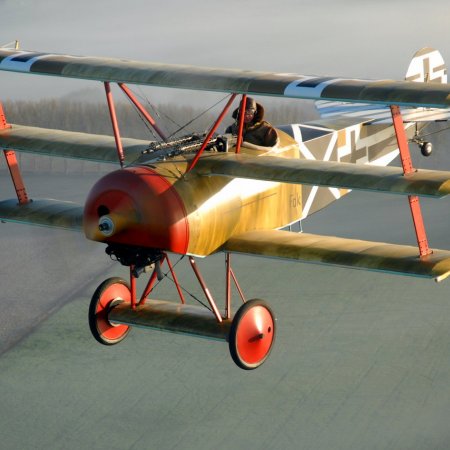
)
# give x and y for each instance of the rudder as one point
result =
(427, 66)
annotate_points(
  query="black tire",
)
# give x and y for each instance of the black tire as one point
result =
(426, 149)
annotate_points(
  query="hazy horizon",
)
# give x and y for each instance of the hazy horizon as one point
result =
(346, 38)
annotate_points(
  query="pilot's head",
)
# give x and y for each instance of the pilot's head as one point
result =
(250, 110)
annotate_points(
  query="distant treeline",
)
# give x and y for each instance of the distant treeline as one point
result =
(94, 118)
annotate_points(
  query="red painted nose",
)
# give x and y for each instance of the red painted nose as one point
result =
(137, 206)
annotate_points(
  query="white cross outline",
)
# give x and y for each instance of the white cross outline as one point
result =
(296, 90)
(21, 66)
(308, 155)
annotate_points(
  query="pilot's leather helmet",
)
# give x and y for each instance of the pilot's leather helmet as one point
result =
(250, 104)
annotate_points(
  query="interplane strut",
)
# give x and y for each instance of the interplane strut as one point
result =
(408, 168)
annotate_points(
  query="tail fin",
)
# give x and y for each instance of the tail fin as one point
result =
(427, 66)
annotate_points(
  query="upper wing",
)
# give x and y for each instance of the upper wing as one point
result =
(227, 80)
(327, 173)
(377, 256)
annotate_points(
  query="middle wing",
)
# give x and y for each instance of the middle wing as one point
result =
(68, 144)
(100, 148)
(431, 183)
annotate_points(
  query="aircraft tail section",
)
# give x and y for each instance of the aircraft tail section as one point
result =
(363, 133)
(426, 66)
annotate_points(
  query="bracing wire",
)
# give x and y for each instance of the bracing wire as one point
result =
(435, 132)
(142, 96)
(190, 293)
(149, 128)
(166, 275)
(155, 110)
(200, 115)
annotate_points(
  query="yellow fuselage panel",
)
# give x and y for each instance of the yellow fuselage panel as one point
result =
(219, 207)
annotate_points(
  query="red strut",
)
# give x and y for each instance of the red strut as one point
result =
(241, 123)
(414, 203)
(115, 125)
(142, 110)
(13, 165)
(211, 132)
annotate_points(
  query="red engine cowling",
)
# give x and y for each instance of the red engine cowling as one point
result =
(137, 206)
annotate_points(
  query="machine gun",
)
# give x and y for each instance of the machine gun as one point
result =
(161, 151)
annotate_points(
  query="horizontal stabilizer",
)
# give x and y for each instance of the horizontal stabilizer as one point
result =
(69, 144)
(227, 80)
(352, 253)
(327, 173)
(46, 213)
(379, 114)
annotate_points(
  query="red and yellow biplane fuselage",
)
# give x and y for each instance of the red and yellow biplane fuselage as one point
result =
(159, 205)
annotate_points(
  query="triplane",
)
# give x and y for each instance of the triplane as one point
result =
(206, 193)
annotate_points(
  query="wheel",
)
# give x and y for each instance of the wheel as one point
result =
(426, 148)
(110, 292)
(252, 334)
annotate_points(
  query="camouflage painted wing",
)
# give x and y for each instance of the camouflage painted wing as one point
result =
(431, 183)
(69, 144)
(351, 253)
(90, 147)
(101, 148)
(45, 213)
(227, 80)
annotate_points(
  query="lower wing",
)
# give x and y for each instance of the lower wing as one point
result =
(45, 213)
(352, 253)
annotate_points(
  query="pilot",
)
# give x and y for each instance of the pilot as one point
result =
(256, 130)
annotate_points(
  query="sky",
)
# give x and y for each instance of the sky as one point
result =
(322, 37)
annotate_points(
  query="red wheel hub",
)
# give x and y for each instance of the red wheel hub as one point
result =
(254, 335)
(105, 328)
